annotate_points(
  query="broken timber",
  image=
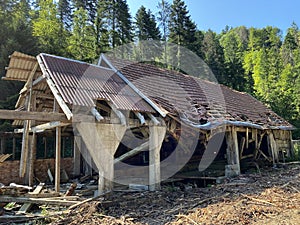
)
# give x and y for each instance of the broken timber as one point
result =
(40, 201)
(25, 207)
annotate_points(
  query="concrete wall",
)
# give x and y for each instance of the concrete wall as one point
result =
(9, 170)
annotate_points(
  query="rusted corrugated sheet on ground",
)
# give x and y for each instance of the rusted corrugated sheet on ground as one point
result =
(82, 84)
(197, 100)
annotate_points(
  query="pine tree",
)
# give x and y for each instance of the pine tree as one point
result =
(123, 24)
(89, 5)
(115, 16)
(164, 18)
(82, 42)
(65, 13)
(214, 55)
(182, 28)
(145, 25)
(182, 31)
(101, 27)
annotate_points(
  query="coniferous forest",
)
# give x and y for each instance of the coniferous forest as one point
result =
(264, 62)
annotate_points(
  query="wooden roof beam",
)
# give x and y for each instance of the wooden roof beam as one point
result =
(26, 115)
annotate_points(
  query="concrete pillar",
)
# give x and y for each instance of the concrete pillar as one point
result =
(157, 135)
(77, 145)
(102, 141)
(233, 158)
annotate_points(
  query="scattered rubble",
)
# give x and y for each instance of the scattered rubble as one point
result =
(269, 197)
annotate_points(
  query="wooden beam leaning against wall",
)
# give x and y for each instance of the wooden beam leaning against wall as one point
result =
(27, 124)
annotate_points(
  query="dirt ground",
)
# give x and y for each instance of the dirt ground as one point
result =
(269, 197)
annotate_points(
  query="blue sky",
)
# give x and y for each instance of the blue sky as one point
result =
(216, 14)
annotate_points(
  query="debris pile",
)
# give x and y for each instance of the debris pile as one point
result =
(269, 197)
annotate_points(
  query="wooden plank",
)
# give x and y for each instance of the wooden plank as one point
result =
(242, 145)
(133, 152)
(45, 126)
(264, 155)
(4, 157)
(39, 201)
(38, 116)
(25, 207)
(24, 150)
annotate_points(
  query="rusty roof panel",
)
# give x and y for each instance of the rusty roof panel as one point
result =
(82, 84)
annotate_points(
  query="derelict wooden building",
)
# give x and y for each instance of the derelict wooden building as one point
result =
(120, 111)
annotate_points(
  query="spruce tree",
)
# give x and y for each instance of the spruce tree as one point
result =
(182, 31)
(82, 42)
(145, 25)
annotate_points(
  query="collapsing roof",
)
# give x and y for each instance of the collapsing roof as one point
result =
(143, 88)
(198, 102)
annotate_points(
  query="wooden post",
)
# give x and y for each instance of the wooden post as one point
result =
(235, 147)
(27, 124)
(157, 134)
(14, 149)
(2, 151)
(77, 146)
(233, 158)
(32, 159)
(247, 138)
(273, 146)
(57, 158)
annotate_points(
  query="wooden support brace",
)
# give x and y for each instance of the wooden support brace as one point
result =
(57, 158)
(133, 152)
(247, 138)
(242, 145)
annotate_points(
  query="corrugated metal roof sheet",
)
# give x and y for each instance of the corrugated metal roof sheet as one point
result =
(20, 67)
(197, 100)
(81, 84)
